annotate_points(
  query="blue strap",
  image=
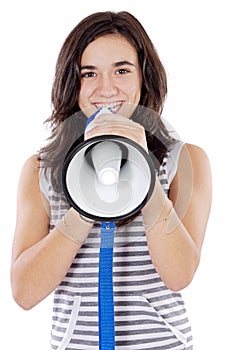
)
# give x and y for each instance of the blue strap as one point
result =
(106, 297)
(92, 117)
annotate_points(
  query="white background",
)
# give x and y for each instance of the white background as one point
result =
(194, 41)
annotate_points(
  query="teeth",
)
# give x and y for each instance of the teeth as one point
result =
(110, 106)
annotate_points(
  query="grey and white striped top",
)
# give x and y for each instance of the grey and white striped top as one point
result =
(148, 315)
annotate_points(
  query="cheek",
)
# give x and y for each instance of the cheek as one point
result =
(84, 103)
(135, 92)
(82, 97)
(133, 89)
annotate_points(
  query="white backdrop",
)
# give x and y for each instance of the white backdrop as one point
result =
(194, 41)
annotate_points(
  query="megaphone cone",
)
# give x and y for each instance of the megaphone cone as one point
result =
(108, 178)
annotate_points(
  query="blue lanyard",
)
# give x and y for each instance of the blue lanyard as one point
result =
(105, 289)
(105, 292)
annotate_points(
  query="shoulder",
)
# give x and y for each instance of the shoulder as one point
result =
(192, 184)
(34, 174)
(30, 172)
(194, 165)
(193, 154)
(31, 165)
(194, 149)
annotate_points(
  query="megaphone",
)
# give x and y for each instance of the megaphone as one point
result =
(108, 178)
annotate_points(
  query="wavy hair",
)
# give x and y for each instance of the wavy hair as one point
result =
(67, 122)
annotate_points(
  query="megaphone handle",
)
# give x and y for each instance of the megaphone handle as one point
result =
(102, 110)
(105, 290)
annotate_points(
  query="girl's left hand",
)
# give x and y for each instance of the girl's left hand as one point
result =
(107, 124)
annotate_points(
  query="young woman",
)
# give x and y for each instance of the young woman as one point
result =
(109, 61)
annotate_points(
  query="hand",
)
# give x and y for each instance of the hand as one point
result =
(117, 125)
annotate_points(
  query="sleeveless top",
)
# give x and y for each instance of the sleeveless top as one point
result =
(148, 315)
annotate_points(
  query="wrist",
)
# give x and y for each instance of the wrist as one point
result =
(75, 226)
(156, 204)
(159, 209)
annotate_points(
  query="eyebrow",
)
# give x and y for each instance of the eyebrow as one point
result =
(123, 63)
(116, 64)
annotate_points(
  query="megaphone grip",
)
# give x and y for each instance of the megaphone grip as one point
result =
(74, 227)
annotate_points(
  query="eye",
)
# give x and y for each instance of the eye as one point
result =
(122, 71)
(88, 75)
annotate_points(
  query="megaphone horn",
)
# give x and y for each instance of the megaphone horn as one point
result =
(108, 177)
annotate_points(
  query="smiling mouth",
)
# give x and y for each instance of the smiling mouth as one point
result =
(112, 107)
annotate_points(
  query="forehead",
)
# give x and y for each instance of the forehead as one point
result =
(109, 47)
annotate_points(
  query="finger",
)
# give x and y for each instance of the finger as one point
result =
(112, 118)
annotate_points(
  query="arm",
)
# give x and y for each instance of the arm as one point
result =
(176, 254)
(39, 260)
(175, 245)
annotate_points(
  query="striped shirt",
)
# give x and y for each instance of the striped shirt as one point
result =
(148, 315)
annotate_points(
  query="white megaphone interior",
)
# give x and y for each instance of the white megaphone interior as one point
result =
(129, 187)
(106, 157)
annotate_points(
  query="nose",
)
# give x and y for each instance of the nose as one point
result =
(107, 87)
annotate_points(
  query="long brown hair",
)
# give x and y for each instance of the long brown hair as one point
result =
(66, 115)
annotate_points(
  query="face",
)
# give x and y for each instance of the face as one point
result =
(110, 76)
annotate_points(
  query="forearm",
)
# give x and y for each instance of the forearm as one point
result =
(40, 268)
(172, 249)
(175, 255)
